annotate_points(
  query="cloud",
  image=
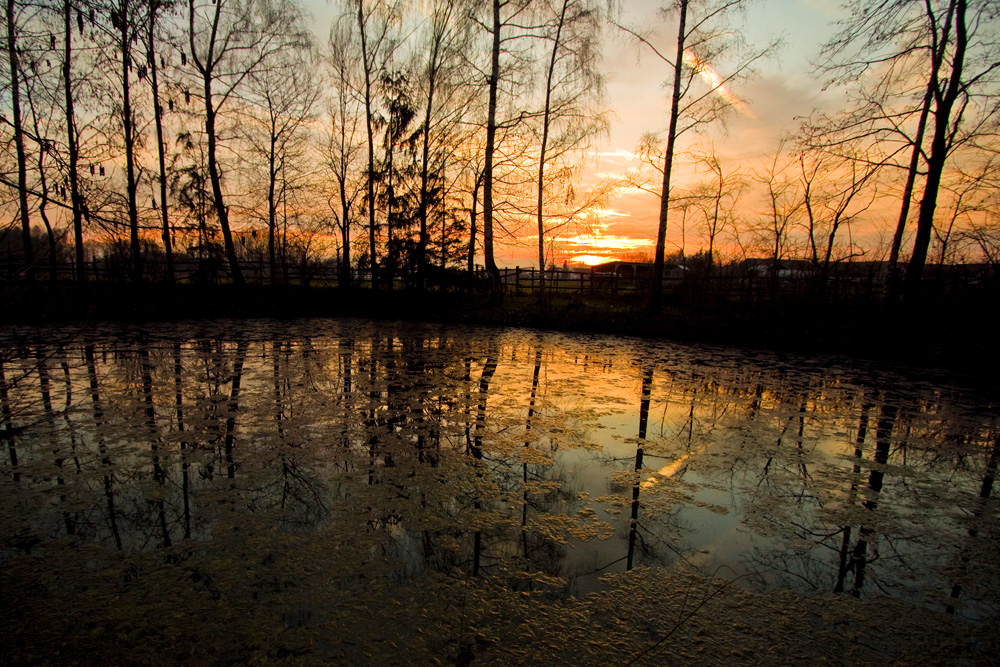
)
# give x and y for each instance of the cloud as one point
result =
(715, 81)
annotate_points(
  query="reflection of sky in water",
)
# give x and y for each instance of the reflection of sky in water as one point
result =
(752, 463)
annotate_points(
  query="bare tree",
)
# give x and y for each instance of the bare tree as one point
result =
(343, 145)
(940, 61)
(444, 99)
(702, 44)
(375, 23)
(568, 121)
(969, 193)
(965, 59)
(124, 31)
(230, 40)
(783, 202)
(282, 96)
(717, 198)
(508, 20)
(982, 228)
(834, 193)
(72, 143)
(41, 97)
(156, 9)
(14, 72)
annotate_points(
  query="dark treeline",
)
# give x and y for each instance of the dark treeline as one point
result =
(411, 140)
(220, 131)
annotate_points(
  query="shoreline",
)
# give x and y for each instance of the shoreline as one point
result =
(943, 335)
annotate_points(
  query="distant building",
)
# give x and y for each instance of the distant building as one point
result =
(637, 271)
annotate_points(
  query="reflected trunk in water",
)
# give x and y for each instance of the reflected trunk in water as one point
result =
(150, 410)
(374, 399)
(185, 465)
(7, 426)
(233, 407)
(527, 444)
(647, 383)
(279, 418)
(109, 476)
(845, 546)
(44, 386)
(489, 368)
(978, 512)
(876, 477)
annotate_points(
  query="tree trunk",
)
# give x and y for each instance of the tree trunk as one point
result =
(491, 133)
(372, 255)
(272, 212)
(471, 259)
(22, 161)
(424, 238)
(74, 150)
(390, 256)
(160, 153)
(345, 234)
(939, 154)
(129, 131)
(911, 177)
(668, 160)
(545, 140)
(44, 198)
(221, 210)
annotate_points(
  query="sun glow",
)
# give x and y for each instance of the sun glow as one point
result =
(590, 260)
(715, 81)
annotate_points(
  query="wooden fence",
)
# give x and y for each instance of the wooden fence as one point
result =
(214, 271)
(726, 282)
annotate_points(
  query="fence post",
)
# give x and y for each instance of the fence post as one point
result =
(517, 278)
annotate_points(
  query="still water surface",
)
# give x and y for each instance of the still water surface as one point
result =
(396, 451)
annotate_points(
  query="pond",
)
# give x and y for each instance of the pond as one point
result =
(346, 490)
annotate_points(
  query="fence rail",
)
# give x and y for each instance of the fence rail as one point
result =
(726, 281)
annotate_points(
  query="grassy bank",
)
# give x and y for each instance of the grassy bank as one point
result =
(951, 334)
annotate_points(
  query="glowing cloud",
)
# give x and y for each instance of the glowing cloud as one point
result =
(610, 213)
(619, 153)
(715, 82)
(608, 242)
(672, 469)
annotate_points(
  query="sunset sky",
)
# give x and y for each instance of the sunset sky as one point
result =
(783, 90)
(638, 100)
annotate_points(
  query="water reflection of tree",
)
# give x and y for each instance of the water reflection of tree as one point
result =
(853, 520)
(377, 453)
(976, 569)
(686, 410)
(647, 381)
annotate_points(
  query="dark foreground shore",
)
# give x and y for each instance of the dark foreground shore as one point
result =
(947, 334)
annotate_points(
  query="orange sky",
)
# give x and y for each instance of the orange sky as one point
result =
(770, 104)
(783, 91)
